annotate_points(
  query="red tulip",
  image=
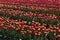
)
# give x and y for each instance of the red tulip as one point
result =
(22, 32)
(47, 39)
(58, 17)
(40, 15)
(58, 36)
(59, 30)
(5, 28)
(35, 34)
(17, 29)
(51, 30)
(29, 31)
(44, 25)
(1, 24)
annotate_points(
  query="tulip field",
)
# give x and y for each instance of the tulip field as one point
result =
(24, 21)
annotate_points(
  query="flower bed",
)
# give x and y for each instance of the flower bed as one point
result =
(16, 24)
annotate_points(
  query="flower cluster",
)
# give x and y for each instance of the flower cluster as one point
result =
(30, 28)
(30, 14)
(38, 7)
